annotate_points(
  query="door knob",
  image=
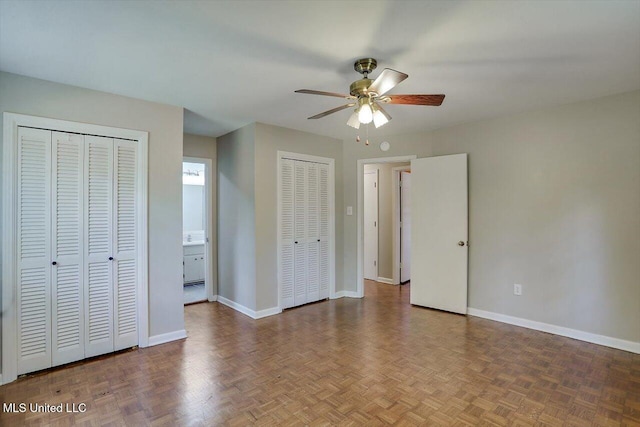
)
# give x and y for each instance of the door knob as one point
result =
(110, 258)
(460, 243)
(54, 263)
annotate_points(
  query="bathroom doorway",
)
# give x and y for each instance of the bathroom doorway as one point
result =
(196, 221)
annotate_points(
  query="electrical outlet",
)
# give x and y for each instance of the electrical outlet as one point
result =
(517, 289)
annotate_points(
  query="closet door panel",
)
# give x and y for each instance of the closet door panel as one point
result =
(312, 233)
(67, 233)
(33, 296)
(323, 227)
(125, 245)
(98, 225)
(286, 233)
(300, 233)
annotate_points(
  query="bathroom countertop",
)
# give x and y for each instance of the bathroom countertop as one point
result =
(194, 243)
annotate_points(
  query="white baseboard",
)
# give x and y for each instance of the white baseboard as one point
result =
(620, 344)
(338, 294)
(247, 311)
(386, 280)
(351, 294)
(347, 294)
(213, 298)
(267, 312)
(168, 337)
(1, 383)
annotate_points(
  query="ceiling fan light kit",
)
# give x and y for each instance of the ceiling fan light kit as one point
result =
(367, 94)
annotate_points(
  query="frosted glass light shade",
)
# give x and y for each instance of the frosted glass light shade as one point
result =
(365, 115)
(379, 119)
(353, 121)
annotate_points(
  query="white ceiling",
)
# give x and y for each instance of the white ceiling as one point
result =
(229, 63)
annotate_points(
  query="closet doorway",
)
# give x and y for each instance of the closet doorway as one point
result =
(196, 226)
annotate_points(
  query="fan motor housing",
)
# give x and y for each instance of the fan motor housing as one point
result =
(360, 87)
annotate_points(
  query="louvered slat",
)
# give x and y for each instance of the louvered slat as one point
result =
(324, 215)
(67, 221)
(300, 233)
(125, 264)
(98, 294)
(287, 233)
(34, 249)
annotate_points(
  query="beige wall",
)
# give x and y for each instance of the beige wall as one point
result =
(385, 216)
(204, 147)
(19, 94)
(270, 140)
(554, 204)
(236, 216)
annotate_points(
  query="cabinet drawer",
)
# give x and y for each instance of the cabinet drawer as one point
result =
(193, 250)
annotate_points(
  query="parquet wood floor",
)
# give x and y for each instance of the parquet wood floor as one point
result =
(372, 361)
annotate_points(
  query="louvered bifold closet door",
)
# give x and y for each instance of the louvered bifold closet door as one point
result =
(33, 296)
(300, 233)
(98, 219)
(313, 233)
(67, 294)
(125, 271)
(286, 233)
(323, 227)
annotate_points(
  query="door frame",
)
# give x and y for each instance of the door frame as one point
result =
(11, 122)
(377, 220)
(395, 219)
(208, 246)
(281, 155)
(360, 213)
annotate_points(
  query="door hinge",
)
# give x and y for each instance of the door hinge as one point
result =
(400, 265)
(375, 262)
(375, 223)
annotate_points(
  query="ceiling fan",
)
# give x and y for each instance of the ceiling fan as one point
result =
(367, 95)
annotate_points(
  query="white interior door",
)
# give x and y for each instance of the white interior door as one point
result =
(300, 243)
(371, 225)
(313, 233)
(98, 246)
(323, 238)
(67, 284)
(33, 298)
(125, 269)
(405, 226)
(439, 235)
(287, 261)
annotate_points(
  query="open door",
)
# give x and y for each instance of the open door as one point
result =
(405, 226)
(439, 233)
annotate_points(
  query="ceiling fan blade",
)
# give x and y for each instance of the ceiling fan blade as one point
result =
(333, 110)
(434, 100)
(387, 80)
(319, 92)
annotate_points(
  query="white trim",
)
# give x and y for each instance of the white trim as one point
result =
(304, 157)
(267, 312)
(618, 343)
(345, 294)
(213, 298)
(395, 220)
(351, 294)
(168, 337)
(332, 216)
(1, 383)
(208, 244)
(376, 261)
(360, 214)
(11, 121)
(386, 280)
(247, 311)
